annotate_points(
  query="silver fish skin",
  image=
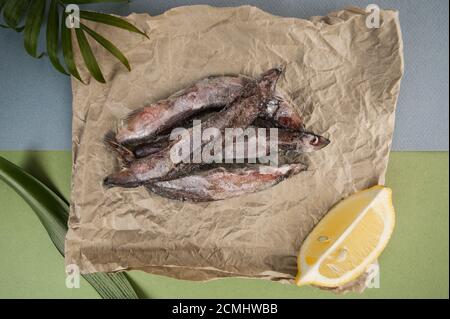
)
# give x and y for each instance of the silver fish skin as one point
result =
(245, 147)
(208, 94)
(161, 166)
(288, 140)
(221, 183)
(211, 93)
(240, 113)
(294, 142)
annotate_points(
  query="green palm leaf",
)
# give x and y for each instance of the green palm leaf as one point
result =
(53, 36)
(88, 56)
(14, 12)
(34, 11)
(66, 42)
(19, 29)
(110, 20)
(33, 26)
(107, 45)
(53, 212)
(2, 3)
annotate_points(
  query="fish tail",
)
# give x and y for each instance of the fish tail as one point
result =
(125, 154)
(122, 179)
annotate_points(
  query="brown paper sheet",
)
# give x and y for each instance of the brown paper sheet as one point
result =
(344, 79)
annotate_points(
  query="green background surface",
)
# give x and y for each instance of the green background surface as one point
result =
(414, 265)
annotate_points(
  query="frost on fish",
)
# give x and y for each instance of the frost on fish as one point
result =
(281, 113)
(287, 142)
(221, 183)
(276, 113)
(240, 113)
(253, 99)
(209, 93)
(286, 116)
(264, 145)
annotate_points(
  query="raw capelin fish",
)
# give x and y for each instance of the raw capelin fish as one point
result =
(276, 113)
(238, 114)
(211, 93)
(222, 183)
(287, 140)
(281, 113)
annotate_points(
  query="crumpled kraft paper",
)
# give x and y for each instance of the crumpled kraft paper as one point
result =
(344, 79)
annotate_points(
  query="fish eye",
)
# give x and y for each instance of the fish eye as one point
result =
(315, 140)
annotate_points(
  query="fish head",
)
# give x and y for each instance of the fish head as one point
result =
(287, 116)
(268, 81)
(310, 142)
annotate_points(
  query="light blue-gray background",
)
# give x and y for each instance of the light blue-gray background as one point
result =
(35, 100)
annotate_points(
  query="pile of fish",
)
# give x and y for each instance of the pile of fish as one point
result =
(143, 141)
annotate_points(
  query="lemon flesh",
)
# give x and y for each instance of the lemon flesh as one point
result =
(348, 239)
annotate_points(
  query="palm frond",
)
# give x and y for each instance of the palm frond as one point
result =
(110, 20)
(33, 26)
(59, 35)
(88, 56)
(2, 3)
(107, 45)
(53, 36)
(53, 212)
(14, 12)
(66, 42)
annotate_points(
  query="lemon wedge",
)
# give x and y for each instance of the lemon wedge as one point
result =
(348, 239)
